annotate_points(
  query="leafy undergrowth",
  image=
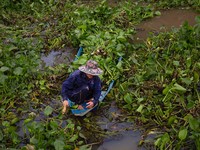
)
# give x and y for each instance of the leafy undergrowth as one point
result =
(176, 3)
(164, 86)
(157, 81)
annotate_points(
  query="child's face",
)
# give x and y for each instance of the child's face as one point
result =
(89, 76)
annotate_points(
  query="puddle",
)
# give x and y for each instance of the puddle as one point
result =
(169, 19)
(128, 140)
(57, 57)
(121, 133)
(111, 119)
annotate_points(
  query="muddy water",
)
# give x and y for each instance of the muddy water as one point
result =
(128, 140)
(123, 134)
(57, 57)
(168, 20)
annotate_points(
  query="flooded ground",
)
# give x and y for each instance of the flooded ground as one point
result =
(57, 57)
(122, 134)
(168, 20)
(127, 140)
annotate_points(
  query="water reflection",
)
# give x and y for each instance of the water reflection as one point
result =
(57, 57)
(128, 140)
(168, 20)
(121, 134)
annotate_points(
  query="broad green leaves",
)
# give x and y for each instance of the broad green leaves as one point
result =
(165, 74)
(4, 68)
(140, 108)
(194, 123)
(18, 71)
(3, 78)
(59, 145)
(128, 98)
(48, 110)
(182, 134)
(163, 141)
(178, 88)
(73, 138)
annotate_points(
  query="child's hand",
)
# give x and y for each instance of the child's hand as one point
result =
(90, 104)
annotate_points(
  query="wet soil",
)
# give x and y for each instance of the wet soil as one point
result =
(168, 20)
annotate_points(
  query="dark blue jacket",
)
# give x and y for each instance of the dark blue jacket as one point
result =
(78, 79)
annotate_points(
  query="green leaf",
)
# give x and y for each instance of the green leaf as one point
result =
(198, 65)
(140, 108)
(157, 13)
(42, 82)
(1, 63)
(4, 68)
(81, 60)
(197, 19)
(187, 81)
(196, 77)
(59, 145)
(171, 120)
(18, 71)
(28, 120)
(128, 98)
(73, 138)
(178, 88)
(1, 135)
(33, 140)
(3, 78)
(188, 62)
(140, 99)
(54, 125)
(119, 65)
(11, 48)
(121, 38)
(194, 124)
(48, 110)
(6, 123)
(82, 136)
(85, 147)
(165, 139)
(124, 86)
(182, 134)
(158, 141)
(14, 120)
(127, 106)
(135, 61)
(176, 63)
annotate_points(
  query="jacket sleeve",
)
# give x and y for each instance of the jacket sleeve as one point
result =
(67, 86)
(97, 90)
